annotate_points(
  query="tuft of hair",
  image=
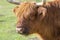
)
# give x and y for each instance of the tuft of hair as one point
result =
(24, 8)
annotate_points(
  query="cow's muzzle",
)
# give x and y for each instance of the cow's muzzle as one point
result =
(23, 31)
(19, 30)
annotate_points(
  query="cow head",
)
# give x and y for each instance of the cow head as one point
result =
(29, 17)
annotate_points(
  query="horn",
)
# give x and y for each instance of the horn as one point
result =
(13, 2)
(41, 3)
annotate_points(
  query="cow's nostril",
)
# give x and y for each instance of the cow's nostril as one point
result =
(19, 30)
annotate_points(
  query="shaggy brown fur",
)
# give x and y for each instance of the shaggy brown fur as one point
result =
(44, 20)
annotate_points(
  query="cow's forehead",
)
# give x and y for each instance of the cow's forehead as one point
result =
(25, 8)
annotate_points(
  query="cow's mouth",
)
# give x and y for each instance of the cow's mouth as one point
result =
(23, 31)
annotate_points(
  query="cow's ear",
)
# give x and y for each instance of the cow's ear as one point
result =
(42, 12)
(15, 9)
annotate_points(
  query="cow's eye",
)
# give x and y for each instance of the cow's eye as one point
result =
(32, 16)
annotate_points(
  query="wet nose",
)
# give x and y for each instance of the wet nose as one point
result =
(19, 30)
